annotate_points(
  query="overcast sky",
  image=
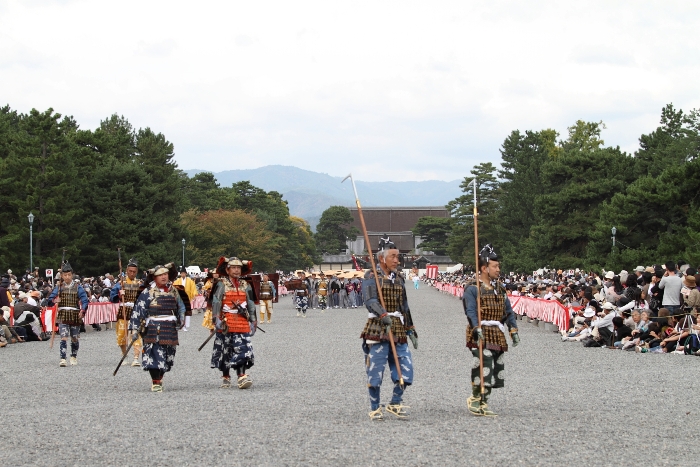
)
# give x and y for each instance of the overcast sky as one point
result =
(394, 90)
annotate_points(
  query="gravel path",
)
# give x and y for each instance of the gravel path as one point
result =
(562, 404)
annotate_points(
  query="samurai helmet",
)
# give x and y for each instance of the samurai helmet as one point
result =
(132, 263)
(66, 267)
(487, 254)
(169, 269)
(224, 263)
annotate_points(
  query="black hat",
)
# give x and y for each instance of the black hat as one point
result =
(132, 263)
(388, 245)
(66, 267)
(487, 254)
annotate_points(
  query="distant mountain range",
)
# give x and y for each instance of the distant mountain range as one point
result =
(310, 193)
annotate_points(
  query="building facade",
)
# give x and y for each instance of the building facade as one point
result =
(396, 222)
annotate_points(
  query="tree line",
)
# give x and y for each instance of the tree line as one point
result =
(92, 191)
(555, 201)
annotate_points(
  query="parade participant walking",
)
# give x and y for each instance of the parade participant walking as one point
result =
(267, 295)
(158, 312)
(127, 298)
(487, 331)
(322, 292)
(190, 289)
(301, 295)
(397, 317)
(233, 306)
(72, 302)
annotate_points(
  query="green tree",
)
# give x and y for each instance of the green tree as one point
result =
(41, 175)
(523, 156)
(221, 233)
(270, 208)
(461, 241)
(655, 214)
(307, 254)
(204, 193)
(333, 229)
(435, 232)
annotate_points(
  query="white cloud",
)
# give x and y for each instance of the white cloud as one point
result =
(429, 89)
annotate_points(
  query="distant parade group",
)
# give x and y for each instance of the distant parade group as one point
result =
(154, 309)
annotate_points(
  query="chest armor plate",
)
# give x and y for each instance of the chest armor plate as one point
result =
(131, 292)
(233, 294)
(265, 291)
(69, 297)
(492, 304)
(162, 303)
(323, 288)
(392, 294)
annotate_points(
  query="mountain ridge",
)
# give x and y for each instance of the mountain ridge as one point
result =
(309, 193)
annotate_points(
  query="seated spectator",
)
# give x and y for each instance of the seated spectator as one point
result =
(650, 340)
(28, 316)
(604, 325)
(582, 328)
(675, 341)
(620, 332)
(12, 334)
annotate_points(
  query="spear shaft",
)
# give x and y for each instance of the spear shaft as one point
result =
(478, 290)
(376, 277)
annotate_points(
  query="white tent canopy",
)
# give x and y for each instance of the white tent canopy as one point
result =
(455, 268)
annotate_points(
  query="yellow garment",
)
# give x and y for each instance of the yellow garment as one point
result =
(207, 321)
(190, 288)
(122, 340)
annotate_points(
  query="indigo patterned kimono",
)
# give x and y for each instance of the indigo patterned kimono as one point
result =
(162, 311)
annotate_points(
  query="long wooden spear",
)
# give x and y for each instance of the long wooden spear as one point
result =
(478, 290)
(121, 302)
(376, 277)
(55, 311)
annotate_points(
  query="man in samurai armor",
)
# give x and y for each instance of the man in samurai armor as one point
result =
(396, 315)
(128, 294)
(496, 316)
(301, 295)
(233, 308)
(158, 314)
(72, 303)
(322, 292)
(267, 295)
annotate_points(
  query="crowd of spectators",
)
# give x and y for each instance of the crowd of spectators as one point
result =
(651, 309)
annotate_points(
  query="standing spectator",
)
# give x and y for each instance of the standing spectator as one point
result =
(5, 296)
(350, 289)
(691, 294)
(335, 292)
(671, 284)
(190, 289)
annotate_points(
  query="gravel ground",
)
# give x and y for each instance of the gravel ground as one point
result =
(563, 404)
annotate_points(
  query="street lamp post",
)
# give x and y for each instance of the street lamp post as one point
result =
(614, 231)
(183, 252)
(31, 243)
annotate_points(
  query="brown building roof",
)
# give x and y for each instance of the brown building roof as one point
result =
(381, 220)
